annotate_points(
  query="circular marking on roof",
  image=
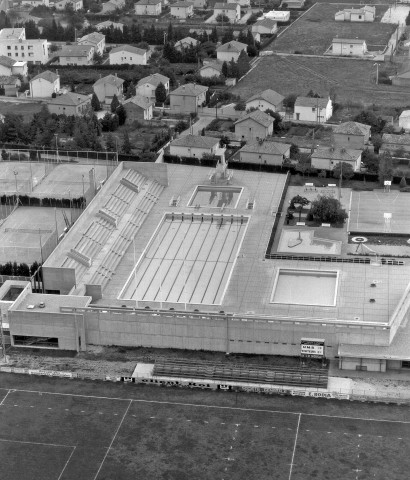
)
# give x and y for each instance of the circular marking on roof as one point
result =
(359, 239)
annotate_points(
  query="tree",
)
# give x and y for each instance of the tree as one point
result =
(221, 18)
(403, 182)
(95, 103)
(289, 100)
(114, 104)
(160, 93)
(370, 118)
(300, 200)
(278, 119)
(385, 167)
(126, 144)
(313, 94)
(242, 65)
(225, 69)
(370, 161)
(328, 210)
(122, 115)
(343, 169)
(181, 126)
(110, 142)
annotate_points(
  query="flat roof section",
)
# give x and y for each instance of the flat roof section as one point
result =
(52, 303)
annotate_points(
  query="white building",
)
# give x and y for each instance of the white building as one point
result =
(95, 39)
(278, 15)
(146, 86)
(230, 10)
(266, 100)
(230, 51)
(13, 44)
(186, 42)
(112, 6)
(35, 3)
(44, 84)
(364, 14)
(310, 109)
(126, 54)
(327, 158)
(9, 67)
(265, 153)
(75, 4)
(349, 47)
(109, 24)
(148, 7)
(211, 69)
(196, 146)
(76, 55)
(265, 27)
(404, 120)
(182, 9)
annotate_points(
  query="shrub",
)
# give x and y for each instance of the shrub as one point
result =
(405, 189)
(403, 183)
(328, 209)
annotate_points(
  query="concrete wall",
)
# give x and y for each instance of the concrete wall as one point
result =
(268, 159)
(250, 130)
(355, 142)
(59, 278)
(368, 364)
(155, 171)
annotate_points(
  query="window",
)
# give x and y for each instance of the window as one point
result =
(313, 109)
(9, 54)
(22, 47)
(31, 54)
(32, 342)
(8, 47)
(30, 47)
(16, 47)
(22, 54)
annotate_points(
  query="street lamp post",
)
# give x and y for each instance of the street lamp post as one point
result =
(15, 172)
(56, 137)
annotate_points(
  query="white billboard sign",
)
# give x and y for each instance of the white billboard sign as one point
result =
(312, 347)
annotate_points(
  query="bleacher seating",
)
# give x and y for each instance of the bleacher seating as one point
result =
(248, 373)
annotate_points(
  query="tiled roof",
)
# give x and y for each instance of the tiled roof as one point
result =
(155, 79)
(182, 4)
(396, 139)
(75, 51)
(192, 41)
(266, 148)
(9, 80)
(266, 22)
(348, 40)
(259, 117)
(195, 141)
(113, 79)
(6, 61)
(70, 99)
(352, 128)
(190, 89)
(108, 24)
(93, 38)
(269, 95)
(225, 6)
(311, 102)
(128, 48)
(148, 2)
(232, 46)
(47, 75)
(337, 153)
(216, 65)
(139, 100)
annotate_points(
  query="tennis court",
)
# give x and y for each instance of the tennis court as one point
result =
(368, 209)
(23, 175)
(64, 436)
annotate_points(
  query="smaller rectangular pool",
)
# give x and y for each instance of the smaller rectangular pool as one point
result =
(305, 287)
(215, 196)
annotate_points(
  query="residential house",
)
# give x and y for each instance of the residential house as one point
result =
(10, 85)
(351, 135)
(211, 69)
(112, 6)
(311, 109)
(363, 14)
(138, 108)
(13, 44)
(35, 3)
(96, 40)
(265, 152)
(230, 10)
(244, 3)
(394, 143)
(265, 27)
(76, 55)
(404, 120)
(9, 66)
(326, 158)
(146, 86)
(187, 98)
(148, 7)
(44, 84)
(280, 16)
(292, 4)
(109, 24)
(126, 54)
(63, 4)
(70, 104)
(182, 9)
(230, 51)
(196, 146)
(187, 42)
(268, 99)
(256, 125)
(402, 79)
(349, 47)
(199, 3)
(106, 87)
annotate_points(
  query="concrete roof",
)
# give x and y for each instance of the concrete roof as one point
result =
(266, 147)
(47, 75)
(93, 38)
(232, 46)
(128, 48)
(182, 4)
(337, 153)
(139, 100)
(197, 141)
(192, 41)
(266, 22)
(259, 117)
(352, 128)
(190, 89)
(225, 6)
(268, 95)
(148, 2)
(155, 79)
(75, 51)
(70, 99)
(10, 33)
(113, 79)
(348, 40)
(52, 303)
(6, 61)
(311, 102)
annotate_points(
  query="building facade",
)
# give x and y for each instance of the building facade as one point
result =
(44, 84)
(311, 109)
(188, 98)
(128, 55)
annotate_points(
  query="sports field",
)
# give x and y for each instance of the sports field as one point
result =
(368, 209)
(47, 431)
(24, 175)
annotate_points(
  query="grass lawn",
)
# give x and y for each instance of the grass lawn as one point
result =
(353, 81)
(313, 33)
(27, 110)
